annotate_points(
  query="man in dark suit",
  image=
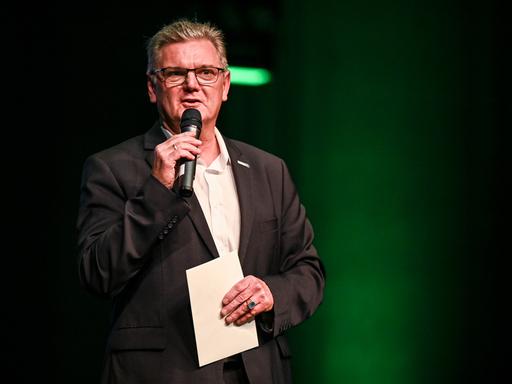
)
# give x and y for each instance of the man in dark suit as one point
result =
(138, 235)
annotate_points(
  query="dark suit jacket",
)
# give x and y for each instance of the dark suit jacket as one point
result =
(137, 239)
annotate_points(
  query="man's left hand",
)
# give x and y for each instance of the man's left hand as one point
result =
(236, 303)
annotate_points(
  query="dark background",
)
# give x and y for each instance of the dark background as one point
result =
(392, 117)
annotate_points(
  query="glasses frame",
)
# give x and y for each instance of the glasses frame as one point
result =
(156, 72)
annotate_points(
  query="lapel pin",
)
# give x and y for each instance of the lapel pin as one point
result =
(244, 164)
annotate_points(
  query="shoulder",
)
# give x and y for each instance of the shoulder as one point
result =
(264, 164)
(134, 148)
(127, 148)
(245, 150)
(116, 161)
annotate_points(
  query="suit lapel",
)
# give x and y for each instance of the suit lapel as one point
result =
(199, 221)
(154, 137)
(243, 179)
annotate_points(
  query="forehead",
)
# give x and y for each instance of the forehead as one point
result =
(189, 54)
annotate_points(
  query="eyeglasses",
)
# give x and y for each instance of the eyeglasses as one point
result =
(172, 77)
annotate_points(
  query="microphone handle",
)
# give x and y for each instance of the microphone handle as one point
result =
(187, 179)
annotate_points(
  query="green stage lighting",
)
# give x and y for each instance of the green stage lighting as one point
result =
(249, 76)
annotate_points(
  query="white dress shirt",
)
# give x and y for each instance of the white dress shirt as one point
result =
(215, 188)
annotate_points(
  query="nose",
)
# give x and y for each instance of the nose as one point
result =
(191, 81)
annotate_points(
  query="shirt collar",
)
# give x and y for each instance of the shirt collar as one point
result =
(167, 134)
(223, 158)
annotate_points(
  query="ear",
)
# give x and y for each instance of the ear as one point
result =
(151, 89)
(227, 83)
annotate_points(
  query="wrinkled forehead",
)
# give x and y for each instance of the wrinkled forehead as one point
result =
(189, 54)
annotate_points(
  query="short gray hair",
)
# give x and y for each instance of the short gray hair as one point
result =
(185, 30)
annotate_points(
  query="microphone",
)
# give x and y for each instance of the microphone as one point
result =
(190, 121)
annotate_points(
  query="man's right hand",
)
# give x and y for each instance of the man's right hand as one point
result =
(167, 156)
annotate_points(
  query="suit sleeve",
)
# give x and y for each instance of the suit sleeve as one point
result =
(298, 287)
(116, 229)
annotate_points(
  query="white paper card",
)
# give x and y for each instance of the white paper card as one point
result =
(207, 285)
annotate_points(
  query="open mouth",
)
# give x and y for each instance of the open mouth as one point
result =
(190, 102)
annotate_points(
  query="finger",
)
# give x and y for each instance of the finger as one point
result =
(236, 307)
(235, 296)
(236, 289)
(182, 154)
(250, 315)
(244, 319)
(186, 137)
(183, 134)
(176, 145)
(246, 310)
(174, 149)
(178, 149)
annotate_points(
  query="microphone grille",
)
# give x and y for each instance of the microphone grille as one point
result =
(191, 116)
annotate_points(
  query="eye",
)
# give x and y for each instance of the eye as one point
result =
(206, 72)
(174, 72)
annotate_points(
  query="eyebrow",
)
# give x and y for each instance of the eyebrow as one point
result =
(201, 66)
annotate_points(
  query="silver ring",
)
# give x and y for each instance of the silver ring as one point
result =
(175, 147)
(251, 305)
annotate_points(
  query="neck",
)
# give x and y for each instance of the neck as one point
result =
(210, 147)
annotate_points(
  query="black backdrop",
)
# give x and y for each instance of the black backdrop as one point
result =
(55, 116)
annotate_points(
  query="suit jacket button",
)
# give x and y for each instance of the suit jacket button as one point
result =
(161, 236)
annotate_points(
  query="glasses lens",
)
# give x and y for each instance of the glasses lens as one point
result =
(174, 76)
(206, 75)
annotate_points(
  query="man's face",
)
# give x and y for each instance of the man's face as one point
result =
(171, 102)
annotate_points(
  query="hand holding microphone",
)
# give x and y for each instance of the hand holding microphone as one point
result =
(177, 155)
(191, 121)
